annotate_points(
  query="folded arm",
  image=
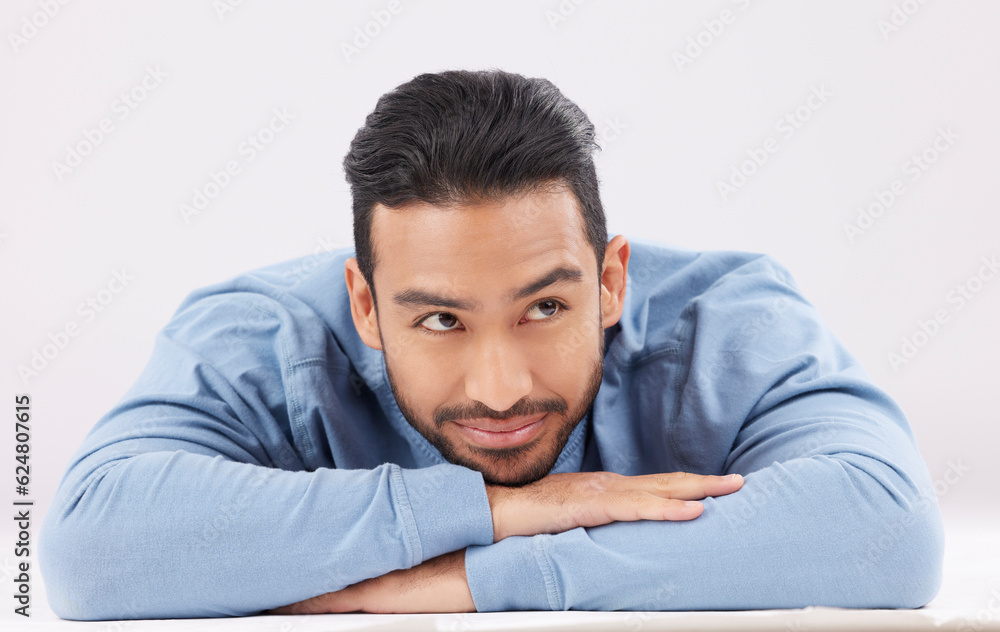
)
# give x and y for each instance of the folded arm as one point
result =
(842, 525)
(849, 528)
(837, 507)
(188, 500)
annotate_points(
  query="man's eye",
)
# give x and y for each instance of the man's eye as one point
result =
(543, 310)
(443, 320)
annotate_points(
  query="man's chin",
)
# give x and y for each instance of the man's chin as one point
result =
(515, 474)
(507, 479)
(510, 466)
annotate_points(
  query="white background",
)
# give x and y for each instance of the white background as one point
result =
(672, 130)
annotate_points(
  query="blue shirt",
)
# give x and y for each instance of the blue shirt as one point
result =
(261, 459)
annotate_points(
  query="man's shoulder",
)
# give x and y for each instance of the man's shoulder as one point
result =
(652, 263)
(300, 305)
(312, 280)
(670, 288)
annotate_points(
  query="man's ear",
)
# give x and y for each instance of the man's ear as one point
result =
(613, 276)
(362, 305)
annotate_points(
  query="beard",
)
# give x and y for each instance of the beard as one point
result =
(509, 466)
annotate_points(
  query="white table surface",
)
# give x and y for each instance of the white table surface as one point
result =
(969, 601)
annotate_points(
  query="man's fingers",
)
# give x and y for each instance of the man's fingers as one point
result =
(671, 509)
(638, 505)
(683, 486)
(560, 502)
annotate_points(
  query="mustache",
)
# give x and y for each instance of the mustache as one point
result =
(522, 408)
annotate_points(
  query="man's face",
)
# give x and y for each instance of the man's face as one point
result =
(490, 318)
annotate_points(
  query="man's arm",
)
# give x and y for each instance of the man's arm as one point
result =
(200, 493)
(553, 504)
(838, 527)
(188, 500)
(836, 510)
(844, 529)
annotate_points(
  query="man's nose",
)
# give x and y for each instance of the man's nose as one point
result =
(498, 374)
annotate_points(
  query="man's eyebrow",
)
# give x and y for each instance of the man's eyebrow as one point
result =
(561, 274)
(420, 298)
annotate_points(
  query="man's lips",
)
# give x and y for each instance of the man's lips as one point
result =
(492, 433)
(495, 425)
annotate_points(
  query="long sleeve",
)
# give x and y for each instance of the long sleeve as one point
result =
(198, 495)
(837, 507)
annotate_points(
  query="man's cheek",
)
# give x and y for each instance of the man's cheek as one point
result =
(568, 348)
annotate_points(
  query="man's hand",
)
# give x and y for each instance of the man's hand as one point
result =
(560, 502)
(437, 585)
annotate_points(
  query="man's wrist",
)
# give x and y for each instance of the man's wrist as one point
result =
(497, 495)
(508, 575)
(448, 509)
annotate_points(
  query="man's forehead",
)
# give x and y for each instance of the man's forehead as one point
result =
(430, 243)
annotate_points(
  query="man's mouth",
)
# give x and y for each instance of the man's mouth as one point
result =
(495, 433)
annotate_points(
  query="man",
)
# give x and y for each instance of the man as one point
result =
(472, 413)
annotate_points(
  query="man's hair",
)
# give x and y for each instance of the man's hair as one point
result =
(461, 136)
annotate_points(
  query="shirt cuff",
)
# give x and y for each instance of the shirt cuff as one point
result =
(513, 574)
(449, 507)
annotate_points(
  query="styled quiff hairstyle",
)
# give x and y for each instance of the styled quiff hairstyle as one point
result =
(462, 136)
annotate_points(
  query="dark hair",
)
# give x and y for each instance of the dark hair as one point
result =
(464, 136)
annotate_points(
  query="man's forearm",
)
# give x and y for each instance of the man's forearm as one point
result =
(176, 534)
(437, 585)
(552, 504)
(797, 534)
